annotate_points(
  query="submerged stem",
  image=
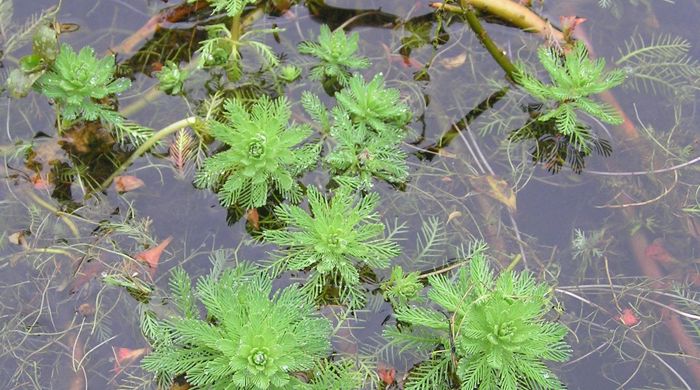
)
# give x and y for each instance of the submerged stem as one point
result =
(497, 54)
(157, 136)
(510, 11)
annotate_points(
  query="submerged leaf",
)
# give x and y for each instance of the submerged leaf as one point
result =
(495, 188)
(127, 183)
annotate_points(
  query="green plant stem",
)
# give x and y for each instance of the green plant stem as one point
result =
(65, 217)
(154, 93)
(462, 124)
(497, 54)
(235, 29)
(157, 136)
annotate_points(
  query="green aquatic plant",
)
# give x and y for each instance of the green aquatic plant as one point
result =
(659, 64)
(340, 235)
(340, 374)
(78, 82)
(264, 154)
(249, 338)
(231, 7)
(290, 73)
(361, 155)
(223, 48)
(554, 149)
(401, 287)
(171, 78)
(372, 105)
(490, 332)
(336, 53)
(575, 77)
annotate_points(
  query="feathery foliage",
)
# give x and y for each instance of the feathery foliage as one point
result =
(401, 287)
(361, 154)
(574, 78)
(337, 375)
(372, 105)
(660, 64)
(222, 48)
(263, 154)
(171, 78)
(77, 81)
(554, 149)
(249, 339)
(336, 53)
(231, 7)
(339, 236)
(492, 328)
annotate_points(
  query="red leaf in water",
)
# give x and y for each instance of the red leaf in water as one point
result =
(657, 252)
(85, 274)
(628, 318)
(152, 256)
(404, 61)
(125, 356)
(127, 183)
(40, 183)
(386, 373)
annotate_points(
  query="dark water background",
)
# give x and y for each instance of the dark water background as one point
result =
(43, 330)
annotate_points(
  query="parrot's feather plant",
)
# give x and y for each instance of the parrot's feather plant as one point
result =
(340, 235)
(250, 338)
(488, 333)
(373, 105)
(264, 154)
(336, 53)
(361, 155)
(358, 154)
(575, 77)
(78, 81)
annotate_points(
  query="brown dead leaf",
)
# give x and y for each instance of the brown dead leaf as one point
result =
(495, 188)
(453, 215)
(18, 238)
(127, 183)
(253, 218)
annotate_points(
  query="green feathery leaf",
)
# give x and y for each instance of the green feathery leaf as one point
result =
(574, 78)
(372, 105)
(494, 328)
(264, 155)
(336, 53)
(77, 81)
(361, 155)
(340, 235)
(250, 338)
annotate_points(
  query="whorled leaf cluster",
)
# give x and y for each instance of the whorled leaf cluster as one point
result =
(490, 332)
(249, 338)
(264, 154)
(79, 81)
(336, 53)
(339, 236)
(575, 77)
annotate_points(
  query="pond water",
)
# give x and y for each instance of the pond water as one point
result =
(619, 245)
